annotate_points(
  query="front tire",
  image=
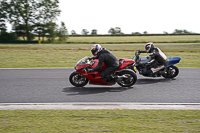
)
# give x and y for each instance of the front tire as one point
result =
(171, 72)
(77, 79)
(129, 79)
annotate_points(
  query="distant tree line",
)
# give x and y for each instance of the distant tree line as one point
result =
(37, 18)
(30, 19)
(117, 31)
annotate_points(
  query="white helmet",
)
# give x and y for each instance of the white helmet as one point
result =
(95, 49)
(149, 46)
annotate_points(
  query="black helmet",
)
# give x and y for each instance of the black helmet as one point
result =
(149, 47)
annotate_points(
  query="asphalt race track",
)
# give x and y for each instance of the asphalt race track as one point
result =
(52, 86)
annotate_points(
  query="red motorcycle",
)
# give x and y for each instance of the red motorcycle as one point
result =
(125, 72)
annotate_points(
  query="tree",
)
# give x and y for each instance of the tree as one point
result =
(48, 10)
(3, 16)
(62, 32)
(38, 29)
(2, 26)
(23, 12)
(136, 33)
(73, 32)
(8, 36)
(176, 31)
(145, 32)
(31, 12)
(185, 31)
(51, 29)
(94, 32)
(116, 30)
(164, 32)
(85, 32)
(112, 31)
(20, 30)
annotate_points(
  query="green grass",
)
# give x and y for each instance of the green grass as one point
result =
(25, 56)
(137, 39)
(42, 56)
(91, 121)
(129, 39)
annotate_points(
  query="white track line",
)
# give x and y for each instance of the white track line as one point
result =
(98, 105)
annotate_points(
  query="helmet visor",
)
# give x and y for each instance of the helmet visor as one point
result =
(93, 52)
(147, 47)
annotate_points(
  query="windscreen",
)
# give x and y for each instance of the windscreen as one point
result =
(83, 60)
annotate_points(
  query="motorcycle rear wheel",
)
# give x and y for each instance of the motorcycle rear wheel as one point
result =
(172, 72)
(77, 79)
(130, 79)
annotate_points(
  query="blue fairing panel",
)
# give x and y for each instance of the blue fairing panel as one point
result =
(145, 59)
(172, 60)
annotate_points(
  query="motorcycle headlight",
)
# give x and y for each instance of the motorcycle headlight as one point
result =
(75, 67)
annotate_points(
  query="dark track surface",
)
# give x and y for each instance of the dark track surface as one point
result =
(52, 86)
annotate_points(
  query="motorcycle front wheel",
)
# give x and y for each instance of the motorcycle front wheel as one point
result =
(129, 78)
(77, 79)
(171, 72)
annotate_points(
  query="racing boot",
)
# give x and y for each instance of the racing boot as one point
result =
(150, 73)
(111, 81)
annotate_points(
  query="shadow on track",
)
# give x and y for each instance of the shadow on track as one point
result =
(93, 90)
(153, 81)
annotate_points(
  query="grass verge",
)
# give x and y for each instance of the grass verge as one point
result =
(134, 39)
(79, 121)
(42, 56)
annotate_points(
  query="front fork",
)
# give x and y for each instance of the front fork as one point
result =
(132, 67)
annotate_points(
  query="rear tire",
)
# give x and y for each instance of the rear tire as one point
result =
(130, 80)
(77, 79)
(172, 71)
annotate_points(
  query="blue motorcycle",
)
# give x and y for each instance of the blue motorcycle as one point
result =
(170, 70)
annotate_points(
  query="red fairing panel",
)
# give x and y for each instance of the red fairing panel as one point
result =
(125, 62)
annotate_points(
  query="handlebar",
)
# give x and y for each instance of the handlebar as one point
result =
(87, 59)
(137, 52)
(136, 56)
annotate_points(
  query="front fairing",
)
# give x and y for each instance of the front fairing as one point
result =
(82, 63)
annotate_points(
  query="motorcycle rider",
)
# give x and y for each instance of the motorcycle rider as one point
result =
(108, 58)
(158, 58)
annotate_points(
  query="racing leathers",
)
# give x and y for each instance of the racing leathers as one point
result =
(158, 60)
(110, 61)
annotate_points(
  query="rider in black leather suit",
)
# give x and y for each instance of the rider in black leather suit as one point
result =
(108, 58)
